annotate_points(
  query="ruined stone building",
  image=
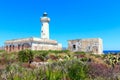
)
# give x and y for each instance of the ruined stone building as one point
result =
(93, 45)
(43, 43)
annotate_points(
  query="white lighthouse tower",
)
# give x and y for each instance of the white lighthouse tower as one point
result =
(45, 26)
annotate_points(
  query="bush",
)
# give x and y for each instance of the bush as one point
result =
(100, 70)
(42, 55)
(2, 50)
(80, 53)
(77, 70)
(25, 55)
(59, 51)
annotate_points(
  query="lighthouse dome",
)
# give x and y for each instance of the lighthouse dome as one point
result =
(45, 18)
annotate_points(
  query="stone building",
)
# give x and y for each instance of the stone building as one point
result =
(43, 43)
(93, 45)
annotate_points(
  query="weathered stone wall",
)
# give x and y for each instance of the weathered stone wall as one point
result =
(15, 47)
(33, 46)
(31, 43)
(93, 45)
(44, 46)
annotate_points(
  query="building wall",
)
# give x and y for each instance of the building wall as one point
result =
(36, 46)
(86, 45)
(15, 47)
(32, 43)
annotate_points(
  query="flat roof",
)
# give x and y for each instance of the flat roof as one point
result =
(30, 39)
(84, 39)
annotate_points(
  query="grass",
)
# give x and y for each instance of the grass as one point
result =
(63, 65)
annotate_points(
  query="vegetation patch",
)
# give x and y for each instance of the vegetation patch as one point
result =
(61, 65)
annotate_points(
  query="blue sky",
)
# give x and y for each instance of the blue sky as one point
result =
(70, 19)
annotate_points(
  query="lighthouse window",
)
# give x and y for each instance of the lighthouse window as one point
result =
(43, 33)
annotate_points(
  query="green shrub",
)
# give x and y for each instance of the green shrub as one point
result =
(2, 51)
(25, 55)
(77, 70)
(80, 52)
(53, 74)
(41, 54)
(84, 59)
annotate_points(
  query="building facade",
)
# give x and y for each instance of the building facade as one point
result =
(43, 43)
(93, 45)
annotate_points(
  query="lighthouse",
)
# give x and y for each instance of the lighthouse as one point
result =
(34, 43)
(45, 26)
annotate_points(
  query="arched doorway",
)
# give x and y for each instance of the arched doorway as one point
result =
(6, 48)
(10, 48)
(18, 47)
(13, 47)
(26, 46)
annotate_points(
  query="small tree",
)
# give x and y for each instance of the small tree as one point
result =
(25, 55)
